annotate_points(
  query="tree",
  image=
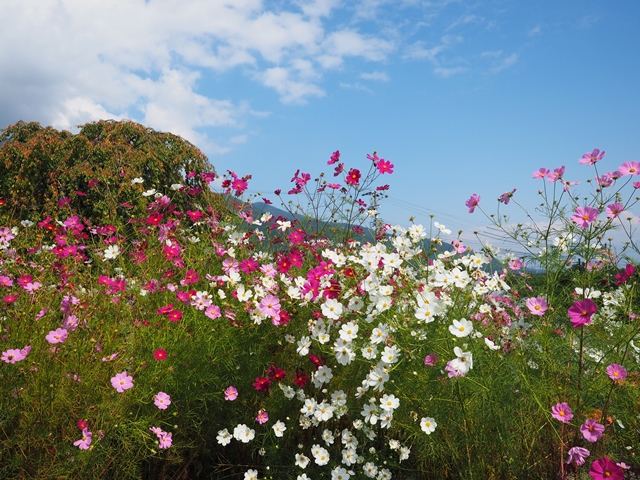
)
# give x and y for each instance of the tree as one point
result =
(43, 170)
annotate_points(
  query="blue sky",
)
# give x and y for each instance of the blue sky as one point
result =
(462, 96)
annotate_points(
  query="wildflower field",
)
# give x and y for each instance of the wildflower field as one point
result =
(153, 330)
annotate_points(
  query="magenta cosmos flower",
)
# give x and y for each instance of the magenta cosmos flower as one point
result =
(353, 177)
(537, 306)
(431, 359)
(160, 354)
(580, 312)
(58, 335)
(384, 166)
(162, 400)
(122, 381)
(592, 430)
(473, 202)
(584, 216)
(231, 393)
(562, 412)
(605, 469)
(577, 455)
(616, 372)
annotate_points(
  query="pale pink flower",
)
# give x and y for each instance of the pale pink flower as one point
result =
(122, 381)
(58, 335)
(162, 400)
(540, 174)
(537, 306)
(231, 393)
(629, 168)
(12, 356)
(85, 441)
(270, 306)
(577, 455)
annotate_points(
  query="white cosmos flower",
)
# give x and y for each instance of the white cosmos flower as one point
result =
(111, 252)
(279, 428)
(428, 425)
(491, 345)
(461, 328)
(332, 309)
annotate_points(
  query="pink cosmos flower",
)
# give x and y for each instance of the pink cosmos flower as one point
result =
(270, 306)
(85, 441)
(472, 203)
(335, 158)
(516, 264)
(231, 393)
(213, 312)
(12, 356)
(165, 440)
(540, 174)
(629, 168)
(584, 216)
(162, 400)
(616, 372)
(556, 174)
(263, 417)
(506, 197)
(431, 359)
(562, 412)
(458, 246)
(537, 306)
(591, 158)
(592, 430)
(384, 166)
(614, 210)
(577, 455)
(605, 180)
(122, 381)
(605, 469)
(58, 335)
(580, 312)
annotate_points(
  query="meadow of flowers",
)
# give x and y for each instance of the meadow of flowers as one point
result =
(211, 345)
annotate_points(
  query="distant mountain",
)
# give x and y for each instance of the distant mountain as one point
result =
(260, 208)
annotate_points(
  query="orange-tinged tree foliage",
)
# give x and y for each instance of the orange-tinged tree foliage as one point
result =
(45, 172)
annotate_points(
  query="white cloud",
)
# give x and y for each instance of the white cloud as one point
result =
(447, 72)
(505, 63)
(290, 90)
(379, 76)
(73, 61)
